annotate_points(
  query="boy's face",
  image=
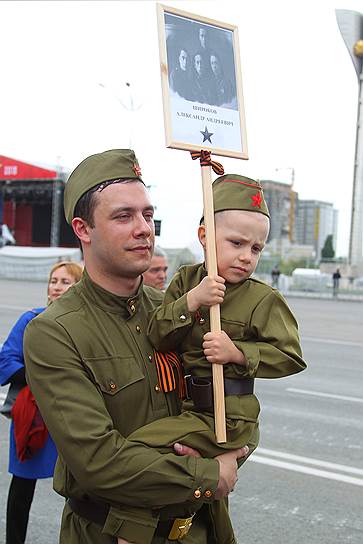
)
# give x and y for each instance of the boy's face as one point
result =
(240, 238)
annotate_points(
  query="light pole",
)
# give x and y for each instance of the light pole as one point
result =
(128, 104)
(56, 206)
(351, 27)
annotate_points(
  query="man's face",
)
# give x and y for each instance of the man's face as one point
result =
(202, 36)
(198, 63)
(215, 65)
(122, 240)
(183, 57)
(240, 239)
(156, 275)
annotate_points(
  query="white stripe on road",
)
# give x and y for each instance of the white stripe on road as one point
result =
(307, 470)
(331, 341)
(326, 395)
(309, 461)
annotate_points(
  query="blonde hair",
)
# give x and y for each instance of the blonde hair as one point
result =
(73, 268)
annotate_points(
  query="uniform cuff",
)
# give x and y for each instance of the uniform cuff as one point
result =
(252, 355)
(206, 481)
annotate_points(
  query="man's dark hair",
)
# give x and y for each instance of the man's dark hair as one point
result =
(86, 205)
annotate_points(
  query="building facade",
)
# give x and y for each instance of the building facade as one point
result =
(315, 221)
(282, 202)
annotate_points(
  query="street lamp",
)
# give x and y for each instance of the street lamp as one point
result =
(128, 104)
(351, 27)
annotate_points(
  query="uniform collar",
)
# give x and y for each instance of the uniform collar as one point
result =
(110, 302)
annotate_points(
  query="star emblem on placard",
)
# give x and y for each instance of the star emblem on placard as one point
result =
(206, 135)
(257, 199)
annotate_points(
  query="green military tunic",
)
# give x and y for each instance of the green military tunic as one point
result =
(259, 322)
(90, 366)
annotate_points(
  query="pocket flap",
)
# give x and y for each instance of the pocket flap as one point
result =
(113, 373)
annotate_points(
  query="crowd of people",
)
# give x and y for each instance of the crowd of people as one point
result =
(199, 76)
(137, 458)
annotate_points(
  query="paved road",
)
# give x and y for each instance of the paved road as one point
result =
(304, 484)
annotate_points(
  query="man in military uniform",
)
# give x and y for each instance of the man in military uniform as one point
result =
(91, 368)
(157, 273)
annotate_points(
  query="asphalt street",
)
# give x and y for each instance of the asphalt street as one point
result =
(304, 483)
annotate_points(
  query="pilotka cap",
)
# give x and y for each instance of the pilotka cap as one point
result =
(107, 166)
(234, 192)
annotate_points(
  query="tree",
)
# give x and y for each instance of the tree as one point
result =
(328, 250)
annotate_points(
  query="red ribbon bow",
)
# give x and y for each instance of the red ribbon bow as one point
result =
(205, 160)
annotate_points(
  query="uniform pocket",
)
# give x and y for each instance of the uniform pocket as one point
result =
(234, 329)
(112, 374)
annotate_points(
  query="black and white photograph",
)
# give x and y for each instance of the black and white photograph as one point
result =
(202, 84)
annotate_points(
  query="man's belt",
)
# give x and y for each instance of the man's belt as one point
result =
(97, 512)
(200, 390)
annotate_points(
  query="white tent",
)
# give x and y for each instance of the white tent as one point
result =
(33, 263)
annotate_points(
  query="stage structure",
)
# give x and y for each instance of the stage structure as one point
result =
(31, 204)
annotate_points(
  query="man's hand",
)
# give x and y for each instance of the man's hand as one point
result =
(180, 449)
(122, 541)
(209, 292)
(228, 471)
(219, 348)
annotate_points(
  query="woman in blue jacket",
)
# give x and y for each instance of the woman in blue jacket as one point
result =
(12, 371)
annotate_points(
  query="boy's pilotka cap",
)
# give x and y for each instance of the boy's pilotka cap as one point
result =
(107, 166)
(234, 192)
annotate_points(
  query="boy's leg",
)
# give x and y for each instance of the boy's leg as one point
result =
(195, 429)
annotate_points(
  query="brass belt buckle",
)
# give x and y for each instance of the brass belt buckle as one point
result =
(180, 528)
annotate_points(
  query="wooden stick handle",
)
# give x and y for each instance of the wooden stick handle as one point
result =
(214, 312)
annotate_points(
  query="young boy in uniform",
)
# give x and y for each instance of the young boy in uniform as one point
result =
(259, 337)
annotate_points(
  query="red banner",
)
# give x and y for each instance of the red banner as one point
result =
(11, 169)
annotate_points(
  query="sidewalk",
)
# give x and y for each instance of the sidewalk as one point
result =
(320, 295)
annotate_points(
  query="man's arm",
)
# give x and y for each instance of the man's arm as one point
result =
(102, 461)
(228, 470)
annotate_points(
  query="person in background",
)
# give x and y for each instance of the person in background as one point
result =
(12, 371)
(156, 274)
(336, 279)
(275, 275)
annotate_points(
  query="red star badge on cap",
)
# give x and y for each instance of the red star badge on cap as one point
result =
(257, 199)
(136, 168)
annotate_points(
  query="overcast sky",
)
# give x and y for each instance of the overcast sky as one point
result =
(299, 83)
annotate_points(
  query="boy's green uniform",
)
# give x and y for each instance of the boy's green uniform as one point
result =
(260, 324)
